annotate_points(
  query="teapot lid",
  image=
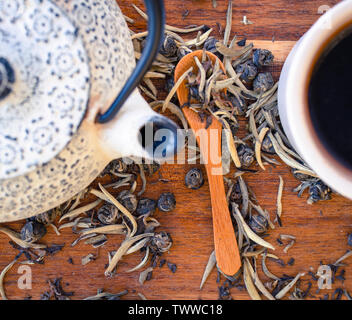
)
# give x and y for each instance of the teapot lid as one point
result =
(44, 84)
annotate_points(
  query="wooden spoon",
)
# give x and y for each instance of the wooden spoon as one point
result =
(226, 249)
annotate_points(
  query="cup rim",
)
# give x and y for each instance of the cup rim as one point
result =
(307, 142)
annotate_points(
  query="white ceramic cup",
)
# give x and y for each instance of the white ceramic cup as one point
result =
(293, 98)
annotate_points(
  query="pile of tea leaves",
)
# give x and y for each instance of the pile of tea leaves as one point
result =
(250, 92)
(239, 89)
(126, 213)
(244, 90)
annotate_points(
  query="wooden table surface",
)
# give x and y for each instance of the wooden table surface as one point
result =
(321, 229)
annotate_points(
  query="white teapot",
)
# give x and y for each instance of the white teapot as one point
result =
(62, 64)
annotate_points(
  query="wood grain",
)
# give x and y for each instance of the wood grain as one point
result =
(321, 229)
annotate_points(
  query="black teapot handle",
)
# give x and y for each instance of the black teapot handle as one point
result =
(156, 25)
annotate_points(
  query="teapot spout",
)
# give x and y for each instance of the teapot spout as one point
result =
(159, 138)
(138, 131)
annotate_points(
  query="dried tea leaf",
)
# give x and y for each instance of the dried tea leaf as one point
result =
(142, 296)
(263, 213)
(210, 82)
(128, 19)
(253, 236)
(252, 125)
(122, 251)
(347, 294)
(203, 76)
(288, 287)
(345, 256)
(86, 236)
(142, 263)
(287, 237)
(106, 295)
(153, 74)
(148, 93)
(289, 151)
(133, 187)
(292, 242)
(245, 21)
(272, 256)
(279, 197)
(232, 52)
(100, 195)
(231, 144)
(209, 267)
(139, 245)
(55, 229)
(266, 270)
(121, 208)
(228, 23)
(287, 159)
(97, 240)
(144, 274)
(109, 229)
(15, 237)
(75, 224)
(168, 27)
(143, 178)
(224, 84)
(258, 146)
(230, 70)
(77, 199)
(88, 258)
(150, 85)
(240, 232)
(245, 196)
(175, 87)
(254, 254)
(184, 30)
(119, 183)
(257, 281)
(198, 41)
(76, 212)
(252, 291)
(2, 276)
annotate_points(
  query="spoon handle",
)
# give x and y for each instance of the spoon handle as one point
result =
(226, 249)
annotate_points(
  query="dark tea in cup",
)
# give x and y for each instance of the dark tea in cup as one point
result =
(329, 97)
